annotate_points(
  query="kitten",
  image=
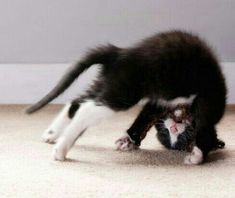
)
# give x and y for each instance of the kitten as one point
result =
(175, 129)
(168, 69)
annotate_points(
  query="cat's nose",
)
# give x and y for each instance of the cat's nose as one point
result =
(174, 129)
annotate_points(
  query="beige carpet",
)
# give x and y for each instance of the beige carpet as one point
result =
(95, 169)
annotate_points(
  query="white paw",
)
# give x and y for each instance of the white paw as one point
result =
(49, 136)
(195, 157)
(60, 150)
(58, 155)
(125, 144)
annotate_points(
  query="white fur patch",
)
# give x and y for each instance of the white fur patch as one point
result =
(57, 127)
(177, 101)
(195, 157)
(87, 115)
(173, 135)
(178, 113)
(143, 101)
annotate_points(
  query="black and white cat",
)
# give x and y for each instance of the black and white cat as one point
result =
(168, 69)
(175, 129)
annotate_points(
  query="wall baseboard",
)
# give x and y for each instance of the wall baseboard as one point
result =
(230, 107)
(27, 83)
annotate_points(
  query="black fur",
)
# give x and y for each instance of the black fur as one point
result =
(145, 120)
(166, 65)
(73, 109)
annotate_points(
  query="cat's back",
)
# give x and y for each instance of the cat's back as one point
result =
(179, 56)
(179, 61)
(174, 46)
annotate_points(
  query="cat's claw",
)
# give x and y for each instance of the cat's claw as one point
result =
(125, 144)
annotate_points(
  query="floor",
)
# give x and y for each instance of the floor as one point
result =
(95, 169)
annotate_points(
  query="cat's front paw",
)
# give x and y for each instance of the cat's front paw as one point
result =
(195, 157)
(125, 144)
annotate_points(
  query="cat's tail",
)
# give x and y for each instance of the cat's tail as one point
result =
(101, 55)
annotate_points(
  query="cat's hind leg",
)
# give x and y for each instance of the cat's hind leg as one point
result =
(53, 132)
(87, 115)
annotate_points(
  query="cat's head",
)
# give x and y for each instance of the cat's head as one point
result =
(180, 114)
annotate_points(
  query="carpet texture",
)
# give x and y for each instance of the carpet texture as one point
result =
(95, 169)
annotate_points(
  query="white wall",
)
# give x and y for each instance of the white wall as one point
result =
(24, 84)
(59, 31)
(229, 71)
